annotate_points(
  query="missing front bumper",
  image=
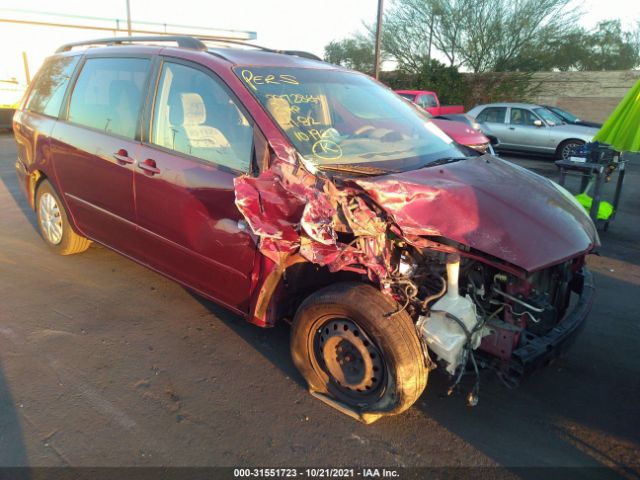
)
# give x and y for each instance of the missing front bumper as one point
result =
(538, 351)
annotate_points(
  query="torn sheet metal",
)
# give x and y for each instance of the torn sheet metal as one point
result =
(488, 205)
(293, 210)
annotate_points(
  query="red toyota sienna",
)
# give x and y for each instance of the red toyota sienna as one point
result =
(283, 187)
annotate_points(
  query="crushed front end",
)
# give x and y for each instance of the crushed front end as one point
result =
(472, 314)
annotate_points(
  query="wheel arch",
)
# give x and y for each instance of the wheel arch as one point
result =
(568, 140)
(282, 291)
(34, 179)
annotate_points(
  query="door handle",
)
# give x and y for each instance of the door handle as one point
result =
(123, 157)
(149, 167)
(512, 128)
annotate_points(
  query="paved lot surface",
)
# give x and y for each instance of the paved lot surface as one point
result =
(103, 362)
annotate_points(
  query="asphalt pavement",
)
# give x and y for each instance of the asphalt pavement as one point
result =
(106, 363)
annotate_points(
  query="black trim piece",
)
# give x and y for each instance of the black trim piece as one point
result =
(539, 350)
(149, 99)
(182, 41)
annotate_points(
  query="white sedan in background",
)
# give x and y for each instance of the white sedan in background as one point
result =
(525, 127)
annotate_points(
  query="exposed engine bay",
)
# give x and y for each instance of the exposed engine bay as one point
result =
(462, 306)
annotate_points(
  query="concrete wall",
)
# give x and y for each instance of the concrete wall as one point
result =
(589, 95)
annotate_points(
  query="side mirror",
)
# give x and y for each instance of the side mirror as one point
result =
(538, 123)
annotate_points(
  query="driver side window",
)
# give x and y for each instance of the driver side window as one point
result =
(521, 116)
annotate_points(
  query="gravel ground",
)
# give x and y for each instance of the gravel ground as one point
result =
(105, 363)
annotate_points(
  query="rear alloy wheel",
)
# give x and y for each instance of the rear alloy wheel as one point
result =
(567, 148)
(54, 223)
(353, 357)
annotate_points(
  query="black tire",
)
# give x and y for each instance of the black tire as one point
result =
(64, 241)
(565, 148)
(331, 322)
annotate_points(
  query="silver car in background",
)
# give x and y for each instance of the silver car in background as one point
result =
(530, 128)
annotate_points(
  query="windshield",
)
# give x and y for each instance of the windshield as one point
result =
(408, 96)
(548, 116)
(568, 116)
(342, 118)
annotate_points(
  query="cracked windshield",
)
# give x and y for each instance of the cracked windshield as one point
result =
(341, 118)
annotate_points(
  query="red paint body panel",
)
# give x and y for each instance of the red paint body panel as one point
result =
(32, 134)
(490, 205)
(461, 133)
(97, 189)
(190, 227)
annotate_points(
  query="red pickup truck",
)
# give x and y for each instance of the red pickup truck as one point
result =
(430, 102)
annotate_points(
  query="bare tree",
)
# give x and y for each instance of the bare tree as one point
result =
(479, 34)
(405, 33)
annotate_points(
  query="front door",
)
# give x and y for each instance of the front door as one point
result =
(200, 140)
(525, 134)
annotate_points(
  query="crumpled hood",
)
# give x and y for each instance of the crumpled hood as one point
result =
(491, 205)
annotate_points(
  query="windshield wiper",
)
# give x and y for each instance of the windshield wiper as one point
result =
(355, 169)
(445, 160)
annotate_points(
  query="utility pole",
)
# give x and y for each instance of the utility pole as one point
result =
(25, 62)
(430, 39)
(128, 18)
(376, 67)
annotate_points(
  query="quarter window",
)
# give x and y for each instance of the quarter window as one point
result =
(492, 115)
(108, 95)
(196, 115)
(50, 86)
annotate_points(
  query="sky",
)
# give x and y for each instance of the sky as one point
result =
(283, 24)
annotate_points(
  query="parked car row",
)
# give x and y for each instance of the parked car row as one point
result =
(518, 127)
(462, 128)
(524, 127)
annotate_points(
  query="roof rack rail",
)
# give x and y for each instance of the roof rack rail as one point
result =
(300, 53)
(297, 53)
(182, 41)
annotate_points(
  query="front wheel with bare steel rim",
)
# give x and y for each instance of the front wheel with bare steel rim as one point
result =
(351, 353)
(53, 222)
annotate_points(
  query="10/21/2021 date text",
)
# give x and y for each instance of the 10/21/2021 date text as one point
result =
(315, 473)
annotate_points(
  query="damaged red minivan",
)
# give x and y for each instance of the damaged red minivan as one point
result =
(286, 188)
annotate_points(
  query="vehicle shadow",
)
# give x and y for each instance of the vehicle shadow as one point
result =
(12, 449)
(10, 180)
(271, 343)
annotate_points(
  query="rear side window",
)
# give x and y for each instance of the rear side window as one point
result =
(426, 100)
(108, 95)
(50, 86)
(492, 115)
(194, 114)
